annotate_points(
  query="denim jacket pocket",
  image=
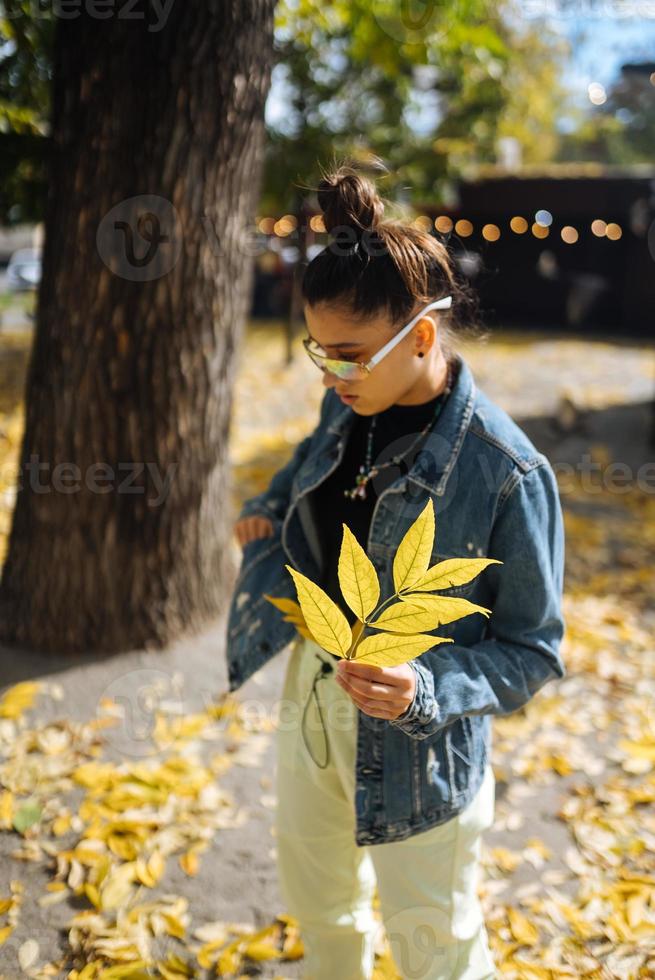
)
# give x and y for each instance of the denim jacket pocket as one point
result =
(444, 762)
(261, 572)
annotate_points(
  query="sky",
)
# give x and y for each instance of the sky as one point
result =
(604, 35)
(601, 44)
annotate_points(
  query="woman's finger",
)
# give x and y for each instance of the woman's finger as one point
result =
(368, 689)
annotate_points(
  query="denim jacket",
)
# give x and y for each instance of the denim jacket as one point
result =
(494, 495)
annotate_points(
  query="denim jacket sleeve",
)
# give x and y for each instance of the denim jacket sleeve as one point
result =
(274, 501)
(520, 651)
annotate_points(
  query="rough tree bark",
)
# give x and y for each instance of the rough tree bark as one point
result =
(157, 136)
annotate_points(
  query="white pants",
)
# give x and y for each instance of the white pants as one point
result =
(427, 884)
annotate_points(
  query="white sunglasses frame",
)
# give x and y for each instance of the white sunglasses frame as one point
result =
(438, 304)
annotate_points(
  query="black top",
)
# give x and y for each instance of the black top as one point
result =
(397, 428)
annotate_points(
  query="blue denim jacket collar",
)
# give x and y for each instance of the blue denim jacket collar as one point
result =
(452, 424)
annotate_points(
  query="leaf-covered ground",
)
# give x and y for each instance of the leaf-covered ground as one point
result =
(115, 812)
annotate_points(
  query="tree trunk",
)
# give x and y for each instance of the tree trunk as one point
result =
(121, 530)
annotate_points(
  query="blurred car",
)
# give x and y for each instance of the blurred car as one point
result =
(24, 269)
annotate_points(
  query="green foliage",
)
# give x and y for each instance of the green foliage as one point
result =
(26, 43)
(356, 72)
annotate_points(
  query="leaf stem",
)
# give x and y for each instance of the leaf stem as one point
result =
(367, 622)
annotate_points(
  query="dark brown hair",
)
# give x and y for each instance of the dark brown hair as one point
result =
(371, 266)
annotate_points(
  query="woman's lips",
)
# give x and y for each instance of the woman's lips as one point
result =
(348, 399)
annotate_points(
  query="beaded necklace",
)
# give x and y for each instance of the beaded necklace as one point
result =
(366, 472)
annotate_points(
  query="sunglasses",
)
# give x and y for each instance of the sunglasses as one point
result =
(356, 370)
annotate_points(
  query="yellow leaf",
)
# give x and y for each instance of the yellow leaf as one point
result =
(61, 825)
(522, 928)
(189, 863)
(205, 954)
(403, 617)
(18, 698)
(92, 894)
(358, 579)
(389, 649)
(117, 887)
(325, 621)
(412, 558)
(452, 571)
(173, 925)
(6, 809)
(149, 873)
(446, 609)
(229, 958)
(643, 749)
(284, 604)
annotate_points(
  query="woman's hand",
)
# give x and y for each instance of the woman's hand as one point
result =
(382, 692)
(250, 528)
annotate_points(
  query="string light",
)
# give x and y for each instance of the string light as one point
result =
(266, 226)
(464, 228)
(491, 233)
(444, 224)
(423, 223)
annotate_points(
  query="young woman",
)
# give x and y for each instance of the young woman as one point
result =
(384, 777)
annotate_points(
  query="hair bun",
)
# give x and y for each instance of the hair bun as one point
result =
(348, 198)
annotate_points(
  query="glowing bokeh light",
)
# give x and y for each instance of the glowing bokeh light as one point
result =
(569, 234)
(597, 94)
(443, 223)
(491, 233)
(464, 228)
